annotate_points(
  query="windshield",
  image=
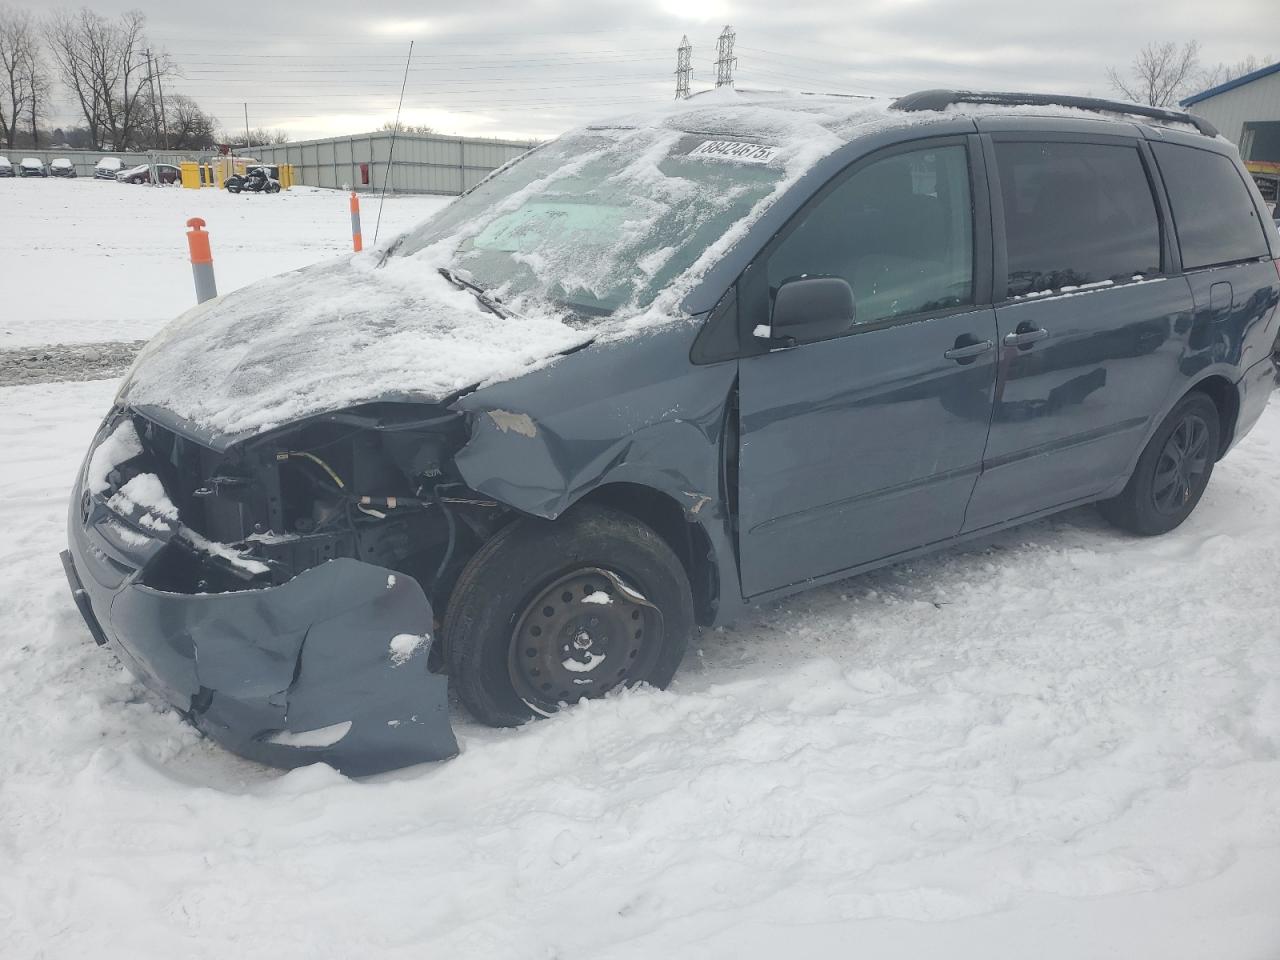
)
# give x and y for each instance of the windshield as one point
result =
(601, 220)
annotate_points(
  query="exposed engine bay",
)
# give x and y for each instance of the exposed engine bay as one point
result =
(375, 483)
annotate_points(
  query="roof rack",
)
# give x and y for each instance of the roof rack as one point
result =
(940, 99)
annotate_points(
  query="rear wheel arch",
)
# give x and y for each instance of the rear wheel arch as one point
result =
(1226, 398)
(667, 517)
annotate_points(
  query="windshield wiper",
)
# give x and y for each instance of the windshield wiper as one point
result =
(483, 298)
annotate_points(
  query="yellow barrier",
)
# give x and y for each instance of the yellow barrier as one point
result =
(196, 175)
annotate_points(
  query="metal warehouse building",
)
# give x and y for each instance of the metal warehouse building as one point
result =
(1246, 111)
(420, 164)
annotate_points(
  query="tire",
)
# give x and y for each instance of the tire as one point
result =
(1173, 471)
(507, 669)
(233, 186)
(273, 188)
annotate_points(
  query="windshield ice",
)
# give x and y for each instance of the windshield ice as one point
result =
(602, 220)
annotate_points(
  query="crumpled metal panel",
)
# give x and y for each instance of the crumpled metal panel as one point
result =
(310, 653)
(632, 412)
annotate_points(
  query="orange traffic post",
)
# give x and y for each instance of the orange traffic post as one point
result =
(357, 242)
(201, 260)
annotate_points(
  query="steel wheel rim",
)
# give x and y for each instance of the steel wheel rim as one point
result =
(581, 635)
(1182, 464)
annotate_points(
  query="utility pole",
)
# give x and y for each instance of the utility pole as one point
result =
(684, 68)
(155, 117)
(725, 60)
(164, 117)
(246, 129)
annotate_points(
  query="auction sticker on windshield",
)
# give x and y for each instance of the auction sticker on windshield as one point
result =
(733, 150)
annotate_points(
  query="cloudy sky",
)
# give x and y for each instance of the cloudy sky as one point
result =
(532, 68)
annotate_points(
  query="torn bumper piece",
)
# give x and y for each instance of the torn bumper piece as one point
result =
(286, 675)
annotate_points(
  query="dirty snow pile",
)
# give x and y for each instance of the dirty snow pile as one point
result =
(1061, 742)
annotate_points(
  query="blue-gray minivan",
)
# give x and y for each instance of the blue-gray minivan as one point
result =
(657, 369)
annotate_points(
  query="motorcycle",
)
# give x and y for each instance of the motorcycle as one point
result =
(255, 180)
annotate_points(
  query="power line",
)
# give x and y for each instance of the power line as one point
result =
(541, 54)
(231, 68)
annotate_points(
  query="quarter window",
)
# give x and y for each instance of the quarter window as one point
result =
(1212, 210)
(899, 230)
(1076, 213)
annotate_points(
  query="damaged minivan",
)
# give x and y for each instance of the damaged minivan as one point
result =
(651, 372)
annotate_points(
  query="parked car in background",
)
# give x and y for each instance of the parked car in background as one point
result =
(165, 173)
(32, 167)
(747, 346)
(6, 168)
(107, 168)
(62, 167)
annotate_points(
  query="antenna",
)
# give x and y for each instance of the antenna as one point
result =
(391, 151)
(684, 68)
(725, 60)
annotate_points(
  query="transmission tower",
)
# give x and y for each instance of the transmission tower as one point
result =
(725, 59)
(684, 68)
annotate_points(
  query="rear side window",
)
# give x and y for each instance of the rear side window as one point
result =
(1212, 210)
(1076, 213)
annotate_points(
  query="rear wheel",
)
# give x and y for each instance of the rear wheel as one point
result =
(1172, 472)
(548, 612)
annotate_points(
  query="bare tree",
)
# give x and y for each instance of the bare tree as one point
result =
(189, 127)
(258, 137)
(104, 65)
(418, 129)
(1224, 72)
(38, 88)
(1159, 74)
(18, 69)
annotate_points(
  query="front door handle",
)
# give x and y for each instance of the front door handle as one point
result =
(1025, 337)
(968, 352)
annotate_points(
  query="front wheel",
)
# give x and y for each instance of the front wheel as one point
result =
(548, 612)
(234, 186)
(1173, 471)
(273, 188)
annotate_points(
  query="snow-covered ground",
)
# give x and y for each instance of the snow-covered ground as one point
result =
(89, 260)
(1061, 742)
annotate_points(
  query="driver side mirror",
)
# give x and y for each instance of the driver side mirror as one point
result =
(809, 308)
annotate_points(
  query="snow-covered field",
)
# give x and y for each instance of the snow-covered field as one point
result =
(1058, 743)
(89, 260)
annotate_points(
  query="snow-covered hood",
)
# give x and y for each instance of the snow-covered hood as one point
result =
(332, 335)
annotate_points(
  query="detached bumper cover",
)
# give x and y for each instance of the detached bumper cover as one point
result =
(266, 671)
